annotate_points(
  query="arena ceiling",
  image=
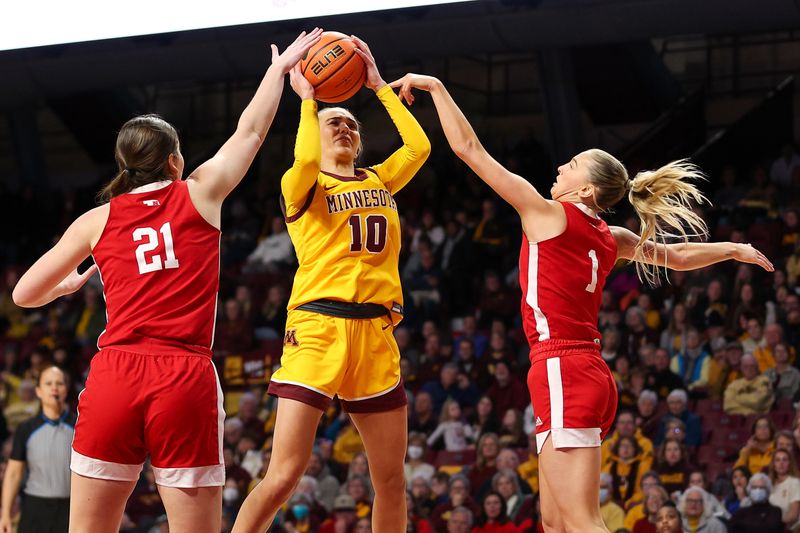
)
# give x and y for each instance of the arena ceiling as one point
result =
(33, 76)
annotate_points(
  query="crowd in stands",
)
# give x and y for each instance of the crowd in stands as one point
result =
(706, 439)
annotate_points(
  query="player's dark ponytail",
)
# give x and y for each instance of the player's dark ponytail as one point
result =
(144, 145)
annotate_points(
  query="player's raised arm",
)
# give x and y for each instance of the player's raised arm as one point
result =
(465, 143)
(404, 163)
(297, 182)
(217, 177)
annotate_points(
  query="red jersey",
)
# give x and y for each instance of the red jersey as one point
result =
(159, 264)
(562, 279)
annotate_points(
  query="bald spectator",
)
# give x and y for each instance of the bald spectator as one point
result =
(751, 394)
(506, 391)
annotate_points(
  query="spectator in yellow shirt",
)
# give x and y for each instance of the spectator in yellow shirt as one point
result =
(612, 514)
(757, 453)
(752, 394)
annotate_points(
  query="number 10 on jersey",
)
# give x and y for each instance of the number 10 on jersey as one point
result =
(155, 262)
(376, 228)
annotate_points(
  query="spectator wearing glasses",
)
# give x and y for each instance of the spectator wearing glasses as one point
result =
(696, 513)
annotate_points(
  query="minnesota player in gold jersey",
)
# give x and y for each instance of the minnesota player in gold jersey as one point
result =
(345, 301)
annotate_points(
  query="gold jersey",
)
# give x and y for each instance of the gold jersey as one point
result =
(346, 229)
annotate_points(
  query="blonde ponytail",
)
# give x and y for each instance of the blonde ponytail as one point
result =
(663, 201)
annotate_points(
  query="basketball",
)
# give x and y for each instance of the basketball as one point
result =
(334, 68)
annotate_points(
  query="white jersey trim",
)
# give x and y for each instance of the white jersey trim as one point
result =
(532, 298)
(220, 415)
(150, 187)
(569, 438)
(190, 478)
(99, 469)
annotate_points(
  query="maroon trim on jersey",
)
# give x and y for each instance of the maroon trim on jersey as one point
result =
(360, 176)
(394, 399)
(370, 169)
(300, 394)
(309, 199)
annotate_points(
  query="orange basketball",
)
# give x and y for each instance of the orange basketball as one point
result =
(334, 68)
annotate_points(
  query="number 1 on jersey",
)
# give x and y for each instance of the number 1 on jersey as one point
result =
(152, 243)
(593, 285)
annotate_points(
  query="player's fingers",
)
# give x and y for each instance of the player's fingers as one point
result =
(366, 57)
(397, 83)
(274, 51)
(89, 272)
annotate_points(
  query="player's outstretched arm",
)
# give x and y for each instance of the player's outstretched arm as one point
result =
(218, 176)
(686, 255)
(465, 143)
(297, 182)
(55, 273)
(404, 163)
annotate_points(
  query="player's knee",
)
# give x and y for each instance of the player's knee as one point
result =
(551, 523)
(285, 481)
(391, 482)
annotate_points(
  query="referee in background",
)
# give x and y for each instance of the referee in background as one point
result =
(41, 454)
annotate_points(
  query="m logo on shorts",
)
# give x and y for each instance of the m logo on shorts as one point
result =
(290, 338)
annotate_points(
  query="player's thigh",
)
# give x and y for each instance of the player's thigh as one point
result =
(551, 516)
(293, 439)
(96, 505)
(193, 510)
(573, 479)
(385, 436)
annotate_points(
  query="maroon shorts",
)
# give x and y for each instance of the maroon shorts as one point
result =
(166, 406)
(573, 392)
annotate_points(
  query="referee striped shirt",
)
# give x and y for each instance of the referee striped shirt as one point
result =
(45, 446)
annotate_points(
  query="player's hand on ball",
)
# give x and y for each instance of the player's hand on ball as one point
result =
(300, 84)
(295, 51)
(413, 81)
(374, 80)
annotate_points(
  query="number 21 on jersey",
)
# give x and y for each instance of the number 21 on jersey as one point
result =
(151, 238)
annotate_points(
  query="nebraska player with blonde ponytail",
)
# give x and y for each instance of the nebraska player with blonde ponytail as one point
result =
(567, 253)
